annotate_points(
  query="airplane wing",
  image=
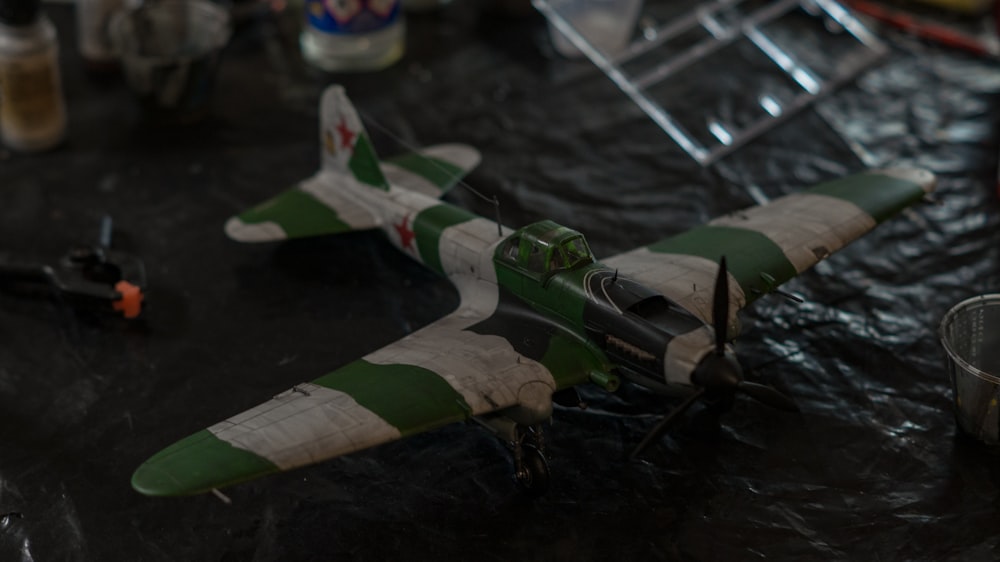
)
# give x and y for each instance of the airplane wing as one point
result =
(440, 374)
(769, 244)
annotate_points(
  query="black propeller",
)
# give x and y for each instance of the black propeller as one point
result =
(720, 373)
(720, 307)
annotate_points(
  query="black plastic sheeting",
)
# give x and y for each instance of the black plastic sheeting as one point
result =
(872, 468)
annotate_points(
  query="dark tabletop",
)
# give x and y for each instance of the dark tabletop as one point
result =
(872, 468)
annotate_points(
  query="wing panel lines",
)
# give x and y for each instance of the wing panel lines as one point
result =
(484, 369)
(687, 280)
(306, 424)
(806, 227)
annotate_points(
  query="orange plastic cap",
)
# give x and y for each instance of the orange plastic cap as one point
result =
(131, 302)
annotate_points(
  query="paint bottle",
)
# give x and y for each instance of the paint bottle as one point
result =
(352, 35)
(32, 108)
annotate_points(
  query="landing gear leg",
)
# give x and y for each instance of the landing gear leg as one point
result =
(531, 470)
(527, 446)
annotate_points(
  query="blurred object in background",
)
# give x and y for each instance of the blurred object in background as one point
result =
(512, 8)
(605, 24)
(423, 5)
(800, 51)
(965, 6)
(358, 35)
(170, 51)
(954, 26)
(243, 11)
(93, 18)
(32, 108)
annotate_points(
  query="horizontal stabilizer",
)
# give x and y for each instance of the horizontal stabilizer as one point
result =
(432, 171)
(315, 207)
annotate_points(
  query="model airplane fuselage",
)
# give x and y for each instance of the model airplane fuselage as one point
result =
(538, 313)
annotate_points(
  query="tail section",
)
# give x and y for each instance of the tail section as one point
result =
(321, 204)
(325, 203)
(345, 146)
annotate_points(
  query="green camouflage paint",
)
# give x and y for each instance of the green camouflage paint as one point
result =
(298, 213)
(364, 164)
(547, 289)
(194, 464)
(439, 172)
(878, 195)
(428, 226)
(570, 360)
(748, 254)
(410, 398)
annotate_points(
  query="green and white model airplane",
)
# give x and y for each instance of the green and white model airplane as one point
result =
(538, 313)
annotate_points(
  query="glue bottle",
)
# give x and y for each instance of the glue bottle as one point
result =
(351, 35)
(32, 109)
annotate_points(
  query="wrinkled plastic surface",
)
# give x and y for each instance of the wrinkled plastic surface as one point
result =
(873, 467)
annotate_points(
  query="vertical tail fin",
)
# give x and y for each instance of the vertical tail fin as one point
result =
(345, 146)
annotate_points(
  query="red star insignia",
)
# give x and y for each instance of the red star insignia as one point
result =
(346, 134)
(406, 234)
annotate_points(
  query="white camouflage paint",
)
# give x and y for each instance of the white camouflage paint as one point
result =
(266, 231)
(685, 352)
(460, 155)
(304, 425)
(294, 429)
(924, 178)
(466, 251)
(485, 369)
(393, 208)
(687, 280)
(334, 190)
(807, 227)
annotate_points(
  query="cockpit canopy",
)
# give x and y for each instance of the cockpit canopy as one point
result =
(543, 248)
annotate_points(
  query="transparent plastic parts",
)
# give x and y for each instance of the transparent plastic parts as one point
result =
(800, 51)
(170, 51)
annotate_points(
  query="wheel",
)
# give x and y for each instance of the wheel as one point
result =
(533, 474)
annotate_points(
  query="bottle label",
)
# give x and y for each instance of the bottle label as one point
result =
(349, 17)
(29, 93)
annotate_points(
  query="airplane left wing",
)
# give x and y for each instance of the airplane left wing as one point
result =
(769, 244)
(440, 374)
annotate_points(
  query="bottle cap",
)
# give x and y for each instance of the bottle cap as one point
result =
(19, 12)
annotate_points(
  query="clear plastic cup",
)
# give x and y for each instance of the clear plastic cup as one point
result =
(170, 52)
(970, 334)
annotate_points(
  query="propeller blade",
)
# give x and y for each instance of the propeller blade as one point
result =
(768, 395)
(720, 307)
(664, 424)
